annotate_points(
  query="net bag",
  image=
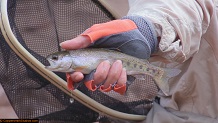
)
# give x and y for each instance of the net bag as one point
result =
(32, 29)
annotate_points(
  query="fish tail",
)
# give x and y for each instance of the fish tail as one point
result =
(162, 81)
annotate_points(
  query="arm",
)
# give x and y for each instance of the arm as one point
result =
(179, 24)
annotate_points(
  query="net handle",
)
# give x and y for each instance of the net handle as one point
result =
(50, 76)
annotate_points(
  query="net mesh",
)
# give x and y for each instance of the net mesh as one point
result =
(40, 25)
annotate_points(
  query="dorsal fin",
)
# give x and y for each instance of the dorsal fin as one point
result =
(145, 60)
(115, 49)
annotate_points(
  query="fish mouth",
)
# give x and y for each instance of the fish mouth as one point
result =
(57, 68)
(51, 66)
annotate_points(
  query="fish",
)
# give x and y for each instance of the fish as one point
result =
(86, 60)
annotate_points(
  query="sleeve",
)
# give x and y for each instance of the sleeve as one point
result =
(160, 115)
(179, 24)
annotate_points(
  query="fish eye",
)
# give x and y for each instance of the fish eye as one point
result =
(54, 57)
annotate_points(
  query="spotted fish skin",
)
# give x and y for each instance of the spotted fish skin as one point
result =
(141, 67)
(86, 60)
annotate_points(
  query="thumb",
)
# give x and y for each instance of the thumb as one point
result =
(76, 43)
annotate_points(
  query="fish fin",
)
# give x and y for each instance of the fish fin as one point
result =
(130, 79)
(140, 76)
(145, 60)
(80, 68)
(115, 49)
(162, 82)
(136, 74)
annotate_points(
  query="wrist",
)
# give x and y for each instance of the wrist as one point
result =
(146, 28)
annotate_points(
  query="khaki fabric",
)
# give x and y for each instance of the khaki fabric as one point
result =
(118, 8)
(188, 41)
(160, 115)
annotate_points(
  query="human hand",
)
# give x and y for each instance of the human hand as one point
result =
(107, 72)
(124, 35)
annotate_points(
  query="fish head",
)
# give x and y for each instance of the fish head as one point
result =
(60, 62)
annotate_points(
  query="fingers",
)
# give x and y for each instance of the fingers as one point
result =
(110, 74)
(101, 72)
(123, 78)
(76, 43)
(114, 73)
(107, 75)
(76, 76)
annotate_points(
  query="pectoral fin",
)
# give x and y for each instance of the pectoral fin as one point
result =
(137, 75)
(80, 68)
(162, 81)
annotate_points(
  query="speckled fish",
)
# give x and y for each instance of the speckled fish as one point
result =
(87, 60)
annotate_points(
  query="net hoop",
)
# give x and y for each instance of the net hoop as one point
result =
(52, 77)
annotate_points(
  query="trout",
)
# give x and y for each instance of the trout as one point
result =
(87, 60)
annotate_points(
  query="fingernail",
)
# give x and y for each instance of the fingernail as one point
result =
(106, 65)
(117, 63)
(108, 62)
(124, 69)
(63, 42)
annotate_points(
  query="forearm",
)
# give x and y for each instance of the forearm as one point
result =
(179, 24)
